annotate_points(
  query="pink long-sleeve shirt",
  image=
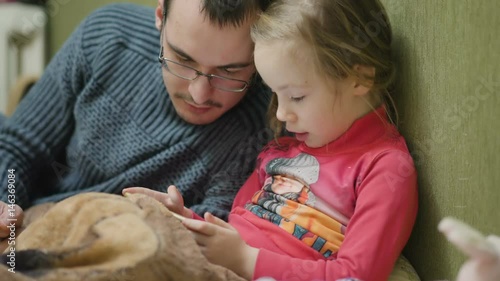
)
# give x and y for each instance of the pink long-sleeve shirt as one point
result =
(364, 182)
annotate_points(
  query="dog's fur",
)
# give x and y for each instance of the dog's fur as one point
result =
(97, 236)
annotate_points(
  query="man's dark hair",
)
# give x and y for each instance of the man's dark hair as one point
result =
(224, 12)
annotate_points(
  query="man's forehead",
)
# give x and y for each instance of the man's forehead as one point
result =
(208, 44)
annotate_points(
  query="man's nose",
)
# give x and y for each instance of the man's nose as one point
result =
(200, 89)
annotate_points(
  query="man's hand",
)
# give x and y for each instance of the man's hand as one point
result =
(222, 244)
(172, 199)
(12, 212)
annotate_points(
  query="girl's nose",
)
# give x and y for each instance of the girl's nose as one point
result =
(285, 115)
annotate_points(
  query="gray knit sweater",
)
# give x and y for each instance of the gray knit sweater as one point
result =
(100, 119)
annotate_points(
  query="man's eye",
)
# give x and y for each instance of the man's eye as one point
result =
(230, 70)
(183, 59)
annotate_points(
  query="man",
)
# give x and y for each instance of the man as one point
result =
(100, 118)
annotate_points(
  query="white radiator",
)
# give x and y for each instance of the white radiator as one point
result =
(22, 46)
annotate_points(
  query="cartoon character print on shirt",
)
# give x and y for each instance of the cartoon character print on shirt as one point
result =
(287, 201)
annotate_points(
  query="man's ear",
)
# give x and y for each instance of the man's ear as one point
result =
(159, 15)
(363, 82)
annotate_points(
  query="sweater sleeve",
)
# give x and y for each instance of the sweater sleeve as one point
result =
(233, 159)
(384, 215)
(224, 186)
(42, 124)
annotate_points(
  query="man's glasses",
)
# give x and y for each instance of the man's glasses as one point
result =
(188, 73)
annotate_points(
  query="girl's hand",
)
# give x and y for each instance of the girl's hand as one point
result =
(222, 244)
(172, 199)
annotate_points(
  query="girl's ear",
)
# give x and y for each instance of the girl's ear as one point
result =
(363, 82)
(159, 15)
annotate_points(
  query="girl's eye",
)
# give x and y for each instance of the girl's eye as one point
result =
(297, 99)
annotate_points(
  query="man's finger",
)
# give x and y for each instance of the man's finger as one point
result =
(4, 231)
(175, 196)
(6, 219)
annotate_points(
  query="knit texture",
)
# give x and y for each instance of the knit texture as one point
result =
(100, 119)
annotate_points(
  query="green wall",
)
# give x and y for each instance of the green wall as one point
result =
(447, 95)
(449, 78)
(65, 15)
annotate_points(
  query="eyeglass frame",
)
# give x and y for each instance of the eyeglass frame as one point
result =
(164, 61)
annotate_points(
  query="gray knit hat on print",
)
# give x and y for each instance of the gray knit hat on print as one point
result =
(303, 166)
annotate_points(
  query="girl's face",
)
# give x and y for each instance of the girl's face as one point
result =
(317, 111)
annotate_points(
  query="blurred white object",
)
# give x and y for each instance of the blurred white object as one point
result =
(483, 252)
(22, 45)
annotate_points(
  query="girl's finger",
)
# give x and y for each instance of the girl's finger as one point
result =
(200, 227)
(160, 196)
(201, 239)
(217, 221)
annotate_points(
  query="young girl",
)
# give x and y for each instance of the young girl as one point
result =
(339, 198)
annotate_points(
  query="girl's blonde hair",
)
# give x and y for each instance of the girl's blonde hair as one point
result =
(337, 34)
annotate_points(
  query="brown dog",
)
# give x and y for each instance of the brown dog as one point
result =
(97, 236)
